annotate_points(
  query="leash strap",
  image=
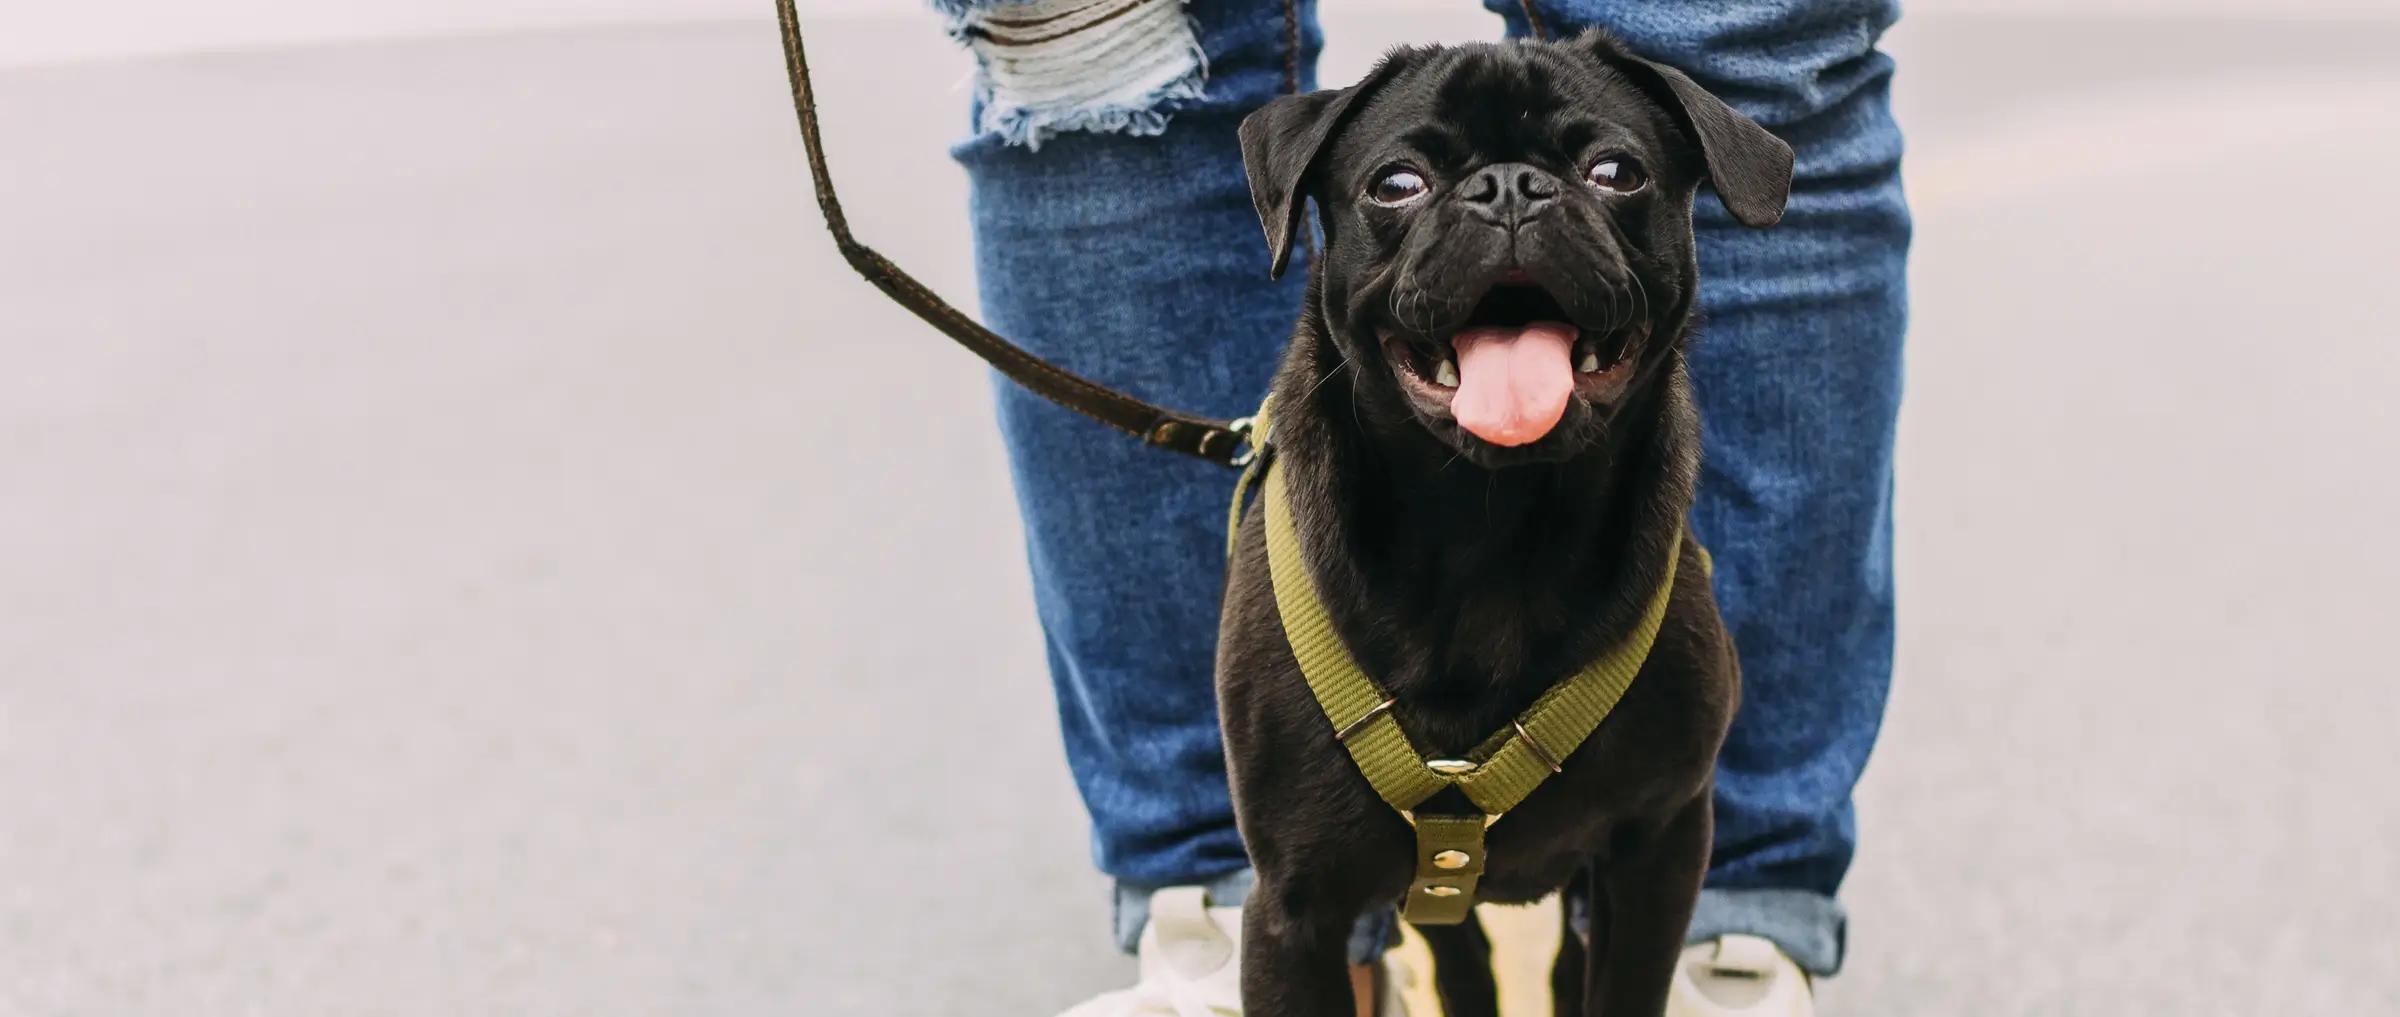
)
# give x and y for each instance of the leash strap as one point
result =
(1217, 441)
(1496, 776)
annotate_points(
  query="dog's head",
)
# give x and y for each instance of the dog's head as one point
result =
(1508, 230)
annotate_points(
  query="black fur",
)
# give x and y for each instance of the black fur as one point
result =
(1468, 578)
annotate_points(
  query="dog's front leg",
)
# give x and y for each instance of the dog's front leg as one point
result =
(1292, 953)
(1462, 968)
(1645, 895)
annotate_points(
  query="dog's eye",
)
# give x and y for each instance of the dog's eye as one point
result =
(1397, 186)
(1616, 173)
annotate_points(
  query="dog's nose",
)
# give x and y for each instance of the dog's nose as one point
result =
(1509, 193)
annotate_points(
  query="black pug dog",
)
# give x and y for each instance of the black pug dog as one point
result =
(1489, 444)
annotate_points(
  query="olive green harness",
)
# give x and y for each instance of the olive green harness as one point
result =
(1496, 776)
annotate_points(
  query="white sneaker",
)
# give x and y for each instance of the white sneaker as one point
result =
(1190, 964)
(1739, 976)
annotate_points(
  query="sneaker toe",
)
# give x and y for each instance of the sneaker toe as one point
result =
(1739, 976)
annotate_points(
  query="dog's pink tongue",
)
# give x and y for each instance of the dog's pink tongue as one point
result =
(1513, 383)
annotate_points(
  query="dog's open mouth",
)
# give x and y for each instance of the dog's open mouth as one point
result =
(1507, 372)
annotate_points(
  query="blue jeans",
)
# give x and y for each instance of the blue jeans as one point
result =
(1114, 235)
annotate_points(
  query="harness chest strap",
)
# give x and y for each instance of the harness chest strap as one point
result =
(1496, 776)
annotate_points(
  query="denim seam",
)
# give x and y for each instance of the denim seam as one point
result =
(1291, 86)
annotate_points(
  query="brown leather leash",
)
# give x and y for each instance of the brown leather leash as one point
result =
(1218, 441)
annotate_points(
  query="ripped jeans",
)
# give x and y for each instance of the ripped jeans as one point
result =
(1114, 235)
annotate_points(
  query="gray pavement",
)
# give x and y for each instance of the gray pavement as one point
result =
(467, 546)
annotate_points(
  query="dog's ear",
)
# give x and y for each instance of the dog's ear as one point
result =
(1280, 143)
(1751, 168)
(1280, 146)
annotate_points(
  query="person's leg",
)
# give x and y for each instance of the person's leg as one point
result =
(1114, 236)
(1798, 377)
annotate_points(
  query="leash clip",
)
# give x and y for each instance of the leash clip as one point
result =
(1240, 428)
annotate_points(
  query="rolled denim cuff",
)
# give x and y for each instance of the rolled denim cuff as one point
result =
(1809, 927)
(1373, 933)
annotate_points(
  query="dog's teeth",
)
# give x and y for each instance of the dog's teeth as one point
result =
(1590, 364)
(1446, 375)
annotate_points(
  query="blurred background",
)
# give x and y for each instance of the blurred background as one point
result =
(463, 548)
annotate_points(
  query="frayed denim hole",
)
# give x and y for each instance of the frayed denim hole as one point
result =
(1103, 66)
